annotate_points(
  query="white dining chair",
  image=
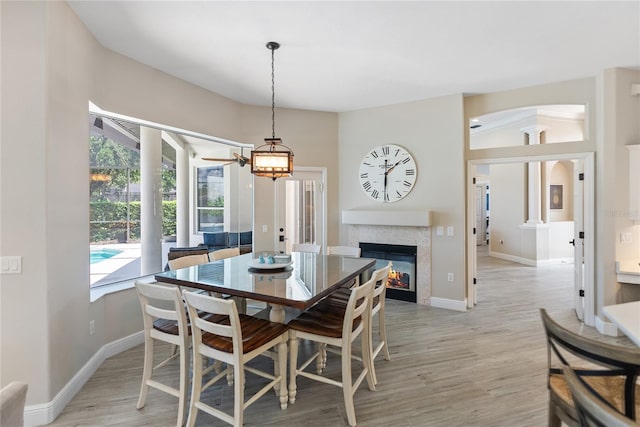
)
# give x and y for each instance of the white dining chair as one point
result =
(351, 251)
(235, 341)
(340, 297)
(335, 328)
(223, 253)
(166, 324)
(188, 261)
(306, 247)
(12, 400)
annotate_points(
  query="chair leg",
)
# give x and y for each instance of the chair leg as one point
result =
(367, 360)
(196, 388)
(146, 371)
(554, 420)
(182, 398)
(282, 369)
(347, 385)
(293, 366)
(238, 396)
(383, 333)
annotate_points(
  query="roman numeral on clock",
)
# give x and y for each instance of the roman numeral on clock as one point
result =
(410, 172)
(375, 194)
(366, 186)
(385, 150)
(364, 175)
(406, 183)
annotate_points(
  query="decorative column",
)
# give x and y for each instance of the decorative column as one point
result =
(534, 238)
(182, 197)
(534, 182)
(151, 199)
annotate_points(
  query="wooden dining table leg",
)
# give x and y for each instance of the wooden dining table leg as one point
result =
(277, 313)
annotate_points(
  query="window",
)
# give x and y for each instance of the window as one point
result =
(114, 201)
(210, 204)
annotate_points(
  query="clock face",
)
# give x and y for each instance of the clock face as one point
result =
(387, 173)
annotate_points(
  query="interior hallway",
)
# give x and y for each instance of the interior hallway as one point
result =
(485, 367)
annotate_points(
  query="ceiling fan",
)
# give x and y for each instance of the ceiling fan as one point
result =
(237, 158)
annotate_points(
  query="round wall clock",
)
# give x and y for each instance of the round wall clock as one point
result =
(387, 173)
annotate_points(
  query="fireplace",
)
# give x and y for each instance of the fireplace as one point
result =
(402, 277)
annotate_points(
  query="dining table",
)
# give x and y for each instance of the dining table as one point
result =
(298, 283)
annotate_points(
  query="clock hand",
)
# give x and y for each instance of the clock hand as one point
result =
(391, 168)
(385, 177)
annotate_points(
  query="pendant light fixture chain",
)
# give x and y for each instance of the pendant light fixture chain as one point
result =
(273, 46)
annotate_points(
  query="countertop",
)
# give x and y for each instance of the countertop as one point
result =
(628, 272)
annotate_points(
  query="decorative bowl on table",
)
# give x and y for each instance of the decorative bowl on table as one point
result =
(271, 262)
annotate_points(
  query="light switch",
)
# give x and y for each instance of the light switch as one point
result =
(450, 231)
(11, 264)
(265, 228)
(439, 230)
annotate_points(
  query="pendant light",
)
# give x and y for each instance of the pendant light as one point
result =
(273, 159)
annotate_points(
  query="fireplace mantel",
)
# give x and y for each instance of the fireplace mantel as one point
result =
(397, 218)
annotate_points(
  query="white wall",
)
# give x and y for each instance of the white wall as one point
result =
(508, 191)
(432, 131)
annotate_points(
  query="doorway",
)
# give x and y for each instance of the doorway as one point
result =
(301, 209)
(583, 250)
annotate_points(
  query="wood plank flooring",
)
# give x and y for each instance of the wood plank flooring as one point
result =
(485, 367)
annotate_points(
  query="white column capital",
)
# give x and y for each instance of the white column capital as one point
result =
(533, 130)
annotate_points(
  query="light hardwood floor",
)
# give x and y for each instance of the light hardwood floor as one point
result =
(485, 367)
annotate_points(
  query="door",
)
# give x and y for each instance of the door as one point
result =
(578, 237)
(481, 221)
(301, 209)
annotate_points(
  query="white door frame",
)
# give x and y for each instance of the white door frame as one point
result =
(589, 227)
(323, 194)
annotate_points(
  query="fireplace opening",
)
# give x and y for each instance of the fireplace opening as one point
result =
(402, 277)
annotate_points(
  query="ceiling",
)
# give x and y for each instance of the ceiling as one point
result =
(348, 55)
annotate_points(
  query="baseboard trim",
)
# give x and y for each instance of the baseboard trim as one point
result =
(606, 328)
(512, 258)
(530, 262)
(45, 413)
(449, 304)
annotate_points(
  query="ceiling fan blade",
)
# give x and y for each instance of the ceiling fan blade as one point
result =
(242, 160)
(214, 159)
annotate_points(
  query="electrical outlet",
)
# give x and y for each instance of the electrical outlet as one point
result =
(625, 238)
(450, 232)
(439, 230)
(265, 228)
(92, 327)
(450, 277)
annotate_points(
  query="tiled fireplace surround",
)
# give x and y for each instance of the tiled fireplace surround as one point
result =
(396, 228)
